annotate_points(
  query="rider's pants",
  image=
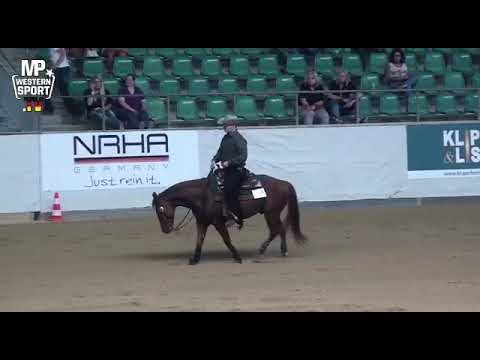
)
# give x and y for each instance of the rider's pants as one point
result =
(232, 180)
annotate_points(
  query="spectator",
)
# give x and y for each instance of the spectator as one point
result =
(110, 55)
(132, 110)
(99, 106)
(341, 103)
(396, 72)
(313, 104)
(61, 69)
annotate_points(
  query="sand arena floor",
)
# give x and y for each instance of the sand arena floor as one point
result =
(366, 259)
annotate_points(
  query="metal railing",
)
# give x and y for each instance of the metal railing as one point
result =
(292, 98)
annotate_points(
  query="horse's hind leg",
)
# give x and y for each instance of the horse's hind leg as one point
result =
(276, 227)
(222, 230)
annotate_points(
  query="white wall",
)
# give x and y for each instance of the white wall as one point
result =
(19, 173)
(324, 164)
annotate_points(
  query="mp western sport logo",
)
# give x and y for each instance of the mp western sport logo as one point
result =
(34, 84)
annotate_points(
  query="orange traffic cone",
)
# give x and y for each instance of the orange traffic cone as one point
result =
(57, 210)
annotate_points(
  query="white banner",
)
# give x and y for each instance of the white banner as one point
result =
(114, 160)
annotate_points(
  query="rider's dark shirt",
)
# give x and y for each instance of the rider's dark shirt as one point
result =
(233, 149)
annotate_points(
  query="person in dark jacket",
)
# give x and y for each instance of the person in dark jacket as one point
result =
(232, 155)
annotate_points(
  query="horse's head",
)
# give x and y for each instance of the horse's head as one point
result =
(165, 212)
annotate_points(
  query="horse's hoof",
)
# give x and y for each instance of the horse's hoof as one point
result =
(192, 261)
(238, 261)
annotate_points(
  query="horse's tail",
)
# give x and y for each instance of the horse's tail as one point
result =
(293, 216)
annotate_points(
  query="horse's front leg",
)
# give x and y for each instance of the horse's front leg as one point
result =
(201, 231)
(222, 230)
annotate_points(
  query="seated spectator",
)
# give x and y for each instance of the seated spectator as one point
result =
(313, 104)
(110, 54)
(396, 72)
(341, 103)
(132, 108)
(99, 106)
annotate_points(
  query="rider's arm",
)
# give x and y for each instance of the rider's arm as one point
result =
(241, 158)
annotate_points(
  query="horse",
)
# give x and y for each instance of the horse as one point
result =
(204, 199)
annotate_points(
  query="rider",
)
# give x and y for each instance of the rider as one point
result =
(233, 155)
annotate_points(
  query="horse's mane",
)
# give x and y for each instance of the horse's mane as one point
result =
(174, 189)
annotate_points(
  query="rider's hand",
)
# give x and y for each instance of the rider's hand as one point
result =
(225, 164)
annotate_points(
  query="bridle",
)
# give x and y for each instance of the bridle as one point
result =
(182, 223)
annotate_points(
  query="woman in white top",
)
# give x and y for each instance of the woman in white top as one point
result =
(396, 72)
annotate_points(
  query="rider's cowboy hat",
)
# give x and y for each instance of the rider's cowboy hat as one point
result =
(228, 120)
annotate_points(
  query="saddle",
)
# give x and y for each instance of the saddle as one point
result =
(249, 189)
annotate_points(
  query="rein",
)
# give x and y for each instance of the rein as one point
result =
(182, 224)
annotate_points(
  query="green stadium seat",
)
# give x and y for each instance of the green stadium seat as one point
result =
(426, 82)
(167, 53)
(252, 53)
(471, 51)
(455, 80)
(112, 85)
(370, 82)
(239, 66)
(364, 106)
(296, 65)
(471, 103)
(229, 85)
(353, 64)
(43, 53)
(187, 109)
(257, 84)
(198, 87)
(324, 65)
(157, 110)
(435, 63)
(463, 62)
(423, 106)
(77, 87)
(137, 52)
(169, 87)
(216, 108)
(268, 65)
(447, 104)
(182, 67)
(211, 67)
(337, 52)
(153, 68)
(444, 51)
(286, 83)
(123, 66)
(476, 80)
(224, 53)
(389, 105)
(196, 53)
(417, 51)
(144, 85)
(275, 107)
(411, 61)
(377, 62)
(246, 108)
(93, 67)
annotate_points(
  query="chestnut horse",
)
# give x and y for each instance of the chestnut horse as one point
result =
(199, 197)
